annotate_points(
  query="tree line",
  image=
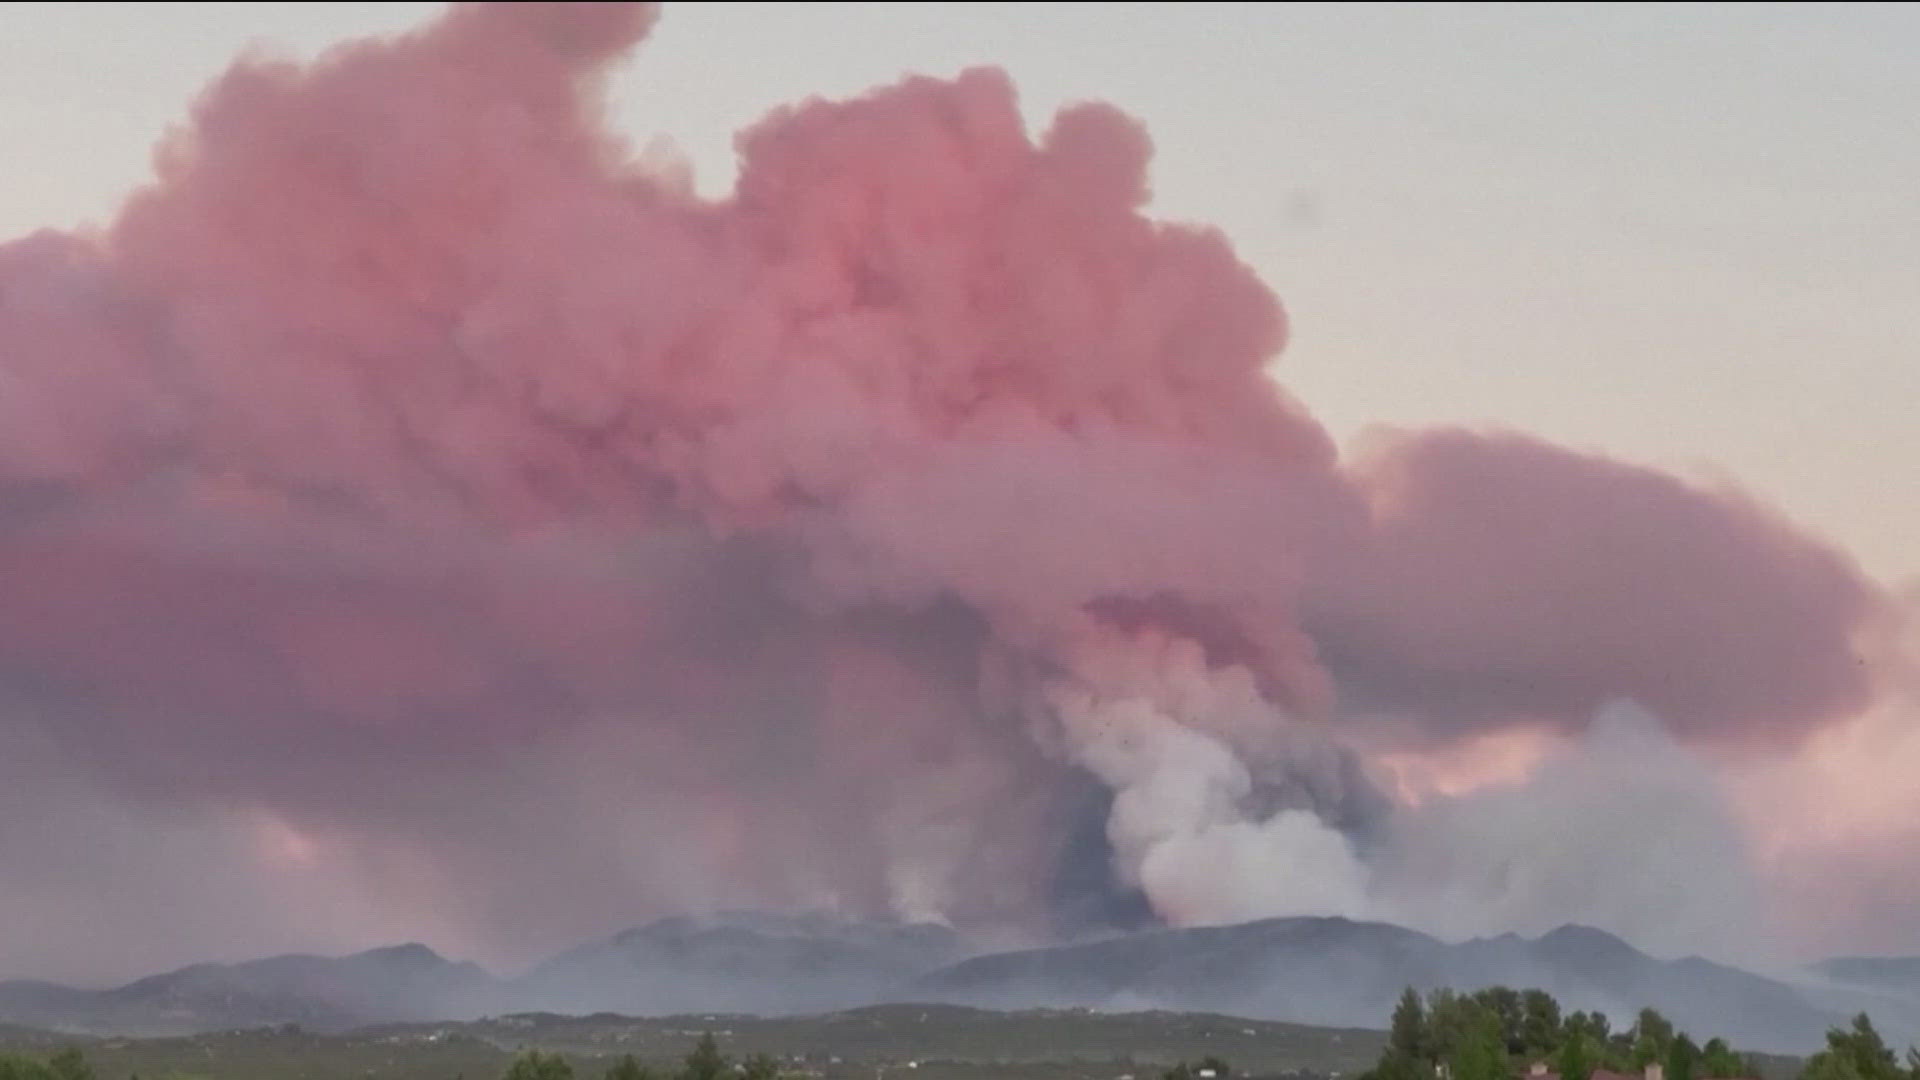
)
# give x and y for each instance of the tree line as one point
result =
(1492, 1034)
(1209, 1067)
(1496, 1033)
(1859, 1053)
(704, 1062)
(68, 1064)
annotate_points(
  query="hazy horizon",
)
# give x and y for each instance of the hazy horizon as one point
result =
(435, 485)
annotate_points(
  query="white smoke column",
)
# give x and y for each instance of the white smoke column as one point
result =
(1185, 747)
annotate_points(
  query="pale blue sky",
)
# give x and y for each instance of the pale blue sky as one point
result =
(1688, 236)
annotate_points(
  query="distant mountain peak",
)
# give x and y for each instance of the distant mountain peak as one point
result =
(1576, 937)
(411, 952)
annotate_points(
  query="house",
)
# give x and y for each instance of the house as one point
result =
(1653, 1072)
(1539, 1070)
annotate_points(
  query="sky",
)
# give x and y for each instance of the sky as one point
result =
(1676, 247)
(1681, 235)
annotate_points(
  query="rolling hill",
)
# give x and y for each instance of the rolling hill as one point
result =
(1319, 971)
(1336, 971)
(323, 993)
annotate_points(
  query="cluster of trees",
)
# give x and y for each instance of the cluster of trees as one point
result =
(705, 1062)
(1496, 1033)
(1858, 1053)
(1208, 1066)
(68, 1064)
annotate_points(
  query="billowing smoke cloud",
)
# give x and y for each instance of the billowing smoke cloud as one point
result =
(1513, 580)
(1531, 856)
(411, 465)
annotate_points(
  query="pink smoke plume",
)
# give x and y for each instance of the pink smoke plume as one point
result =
(405, 428)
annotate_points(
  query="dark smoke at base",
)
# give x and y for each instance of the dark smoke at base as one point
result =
(1087, 897)
(411, 469)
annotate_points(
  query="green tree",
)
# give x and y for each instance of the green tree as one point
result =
(70, 1064)
(1652, 1038)
(1858, 1053)
(1719, 1062)
(1395, 1065)
(1594, 1025)
(1482, 1055)
(534, 1065)
(705, 1062)
(1451, 1019)
(15, 1067)
(1683, 1058)
(1409, 1036)
(1503, 1003)
(1578, 1057)
(1869, 1052)
(760, 1067)
(1611, 1050)
(1540, 1025)
(629, 1068)
(1184, 1071)
(1827, 1065)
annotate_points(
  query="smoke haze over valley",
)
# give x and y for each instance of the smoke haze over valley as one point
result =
(424, 515)
(1323, 971)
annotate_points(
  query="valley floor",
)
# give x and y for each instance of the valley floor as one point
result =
(900, 1041)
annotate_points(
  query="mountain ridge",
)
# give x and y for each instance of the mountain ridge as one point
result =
(1321, 970)
(396, 982)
